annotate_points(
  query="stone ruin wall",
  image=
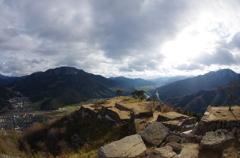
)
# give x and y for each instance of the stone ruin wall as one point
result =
(121, 107)
(181, 126)
(87, 112)
(206, 126)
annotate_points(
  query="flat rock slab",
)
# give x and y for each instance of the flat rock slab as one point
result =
(165, 152)
(214, 140)
(130, 146)
(154, 133)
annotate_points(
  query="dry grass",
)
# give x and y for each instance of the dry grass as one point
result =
(166, 109)
(9, 143)
(69, 136)
(222, 113)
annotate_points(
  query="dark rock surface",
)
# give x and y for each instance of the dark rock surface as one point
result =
(154, 133)
(173, 138)
(175, 146)
(214, 140)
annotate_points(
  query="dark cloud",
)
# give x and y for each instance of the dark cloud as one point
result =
(19, 67)
(235, 42)
(136, 26)
(125, 69)
(142, 64)
(15, 67)
(68, 60)
(34, 61)
(99, 36)
(221, 56)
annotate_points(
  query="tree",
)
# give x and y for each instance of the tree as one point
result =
(139, 94)
(134, 94)
(230, 92)
(119, 92)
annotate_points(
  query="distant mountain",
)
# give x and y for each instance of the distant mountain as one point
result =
(5, 94)
(199, 101)
(167, 80)
(195, 84)
(138, 82)
(5, 80)
(66, 85)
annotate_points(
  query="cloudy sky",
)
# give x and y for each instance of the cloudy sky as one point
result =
(131, 38)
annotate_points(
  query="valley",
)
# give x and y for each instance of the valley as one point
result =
(66, 111)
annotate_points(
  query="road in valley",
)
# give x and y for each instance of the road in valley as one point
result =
(157, 94)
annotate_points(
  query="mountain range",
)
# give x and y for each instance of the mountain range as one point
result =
(137, 82)
(195, 84)
(167, 80)
(5, 94)
(62, 86)
(195, 94)
(6, 80)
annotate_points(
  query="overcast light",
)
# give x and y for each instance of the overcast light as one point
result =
(137, 38)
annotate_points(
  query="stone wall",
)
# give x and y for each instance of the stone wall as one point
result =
(113, 115)
(163, 118)
(86, 112)
(206, 126)
(121, 107)
(189, 121)
(146, 114)
(172, 127)
(181, 124)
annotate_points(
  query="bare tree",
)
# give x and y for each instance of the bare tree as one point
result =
(230, 92)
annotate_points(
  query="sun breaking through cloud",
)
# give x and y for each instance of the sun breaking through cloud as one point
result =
(120, 38)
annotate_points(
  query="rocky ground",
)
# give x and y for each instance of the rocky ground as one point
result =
(216, 136)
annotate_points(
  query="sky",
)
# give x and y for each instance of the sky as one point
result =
(131, 38)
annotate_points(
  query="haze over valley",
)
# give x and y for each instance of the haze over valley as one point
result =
(59, 87)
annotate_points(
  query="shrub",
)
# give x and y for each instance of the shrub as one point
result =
(166, 109)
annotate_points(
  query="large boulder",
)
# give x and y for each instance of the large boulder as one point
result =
(130, 146)
(154, 133)
(215, 140)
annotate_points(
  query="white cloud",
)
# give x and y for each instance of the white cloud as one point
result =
(129, 38)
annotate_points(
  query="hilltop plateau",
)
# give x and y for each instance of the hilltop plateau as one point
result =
(64, 86)
(133, 128)
(81, 132)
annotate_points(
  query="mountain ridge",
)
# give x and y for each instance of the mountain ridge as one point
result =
(5, 94)
(136, 82)
(195, 84)
(64, 85)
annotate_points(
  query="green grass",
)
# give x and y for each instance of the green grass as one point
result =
(131, 100)
(70, 107)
